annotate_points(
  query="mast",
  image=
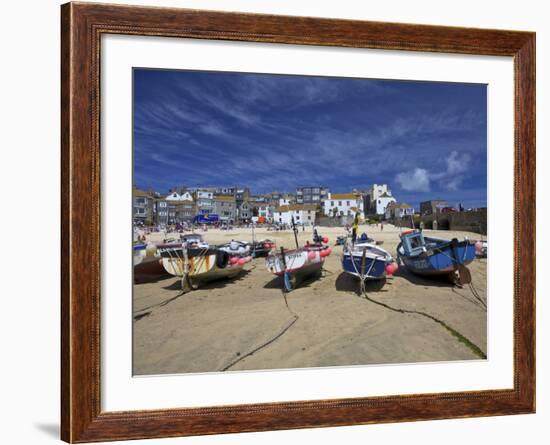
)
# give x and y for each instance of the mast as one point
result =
(253, 242)
(295, 230)
(355, 228)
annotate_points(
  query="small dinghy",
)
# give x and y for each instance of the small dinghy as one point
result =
(298, 264)
(236, 248)
(139, 253)
(434, 256)
(197, 265)
(147, 263)
(367, 261)
(364, 259)
(262, 248)
(193, 240)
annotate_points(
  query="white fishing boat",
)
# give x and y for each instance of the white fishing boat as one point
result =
(298, 264)
(236, 248)
(197, 265)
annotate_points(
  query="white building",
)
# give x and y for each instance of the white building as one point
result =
(174, 196)
(302, 213)
(377, 198)
(266, 211)
(205, 201)
(284, 202)
(398, 210)
(343, 204)
(382, 203)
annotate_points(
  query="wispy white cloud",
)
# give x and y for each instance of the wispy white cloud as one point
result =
(420, 179)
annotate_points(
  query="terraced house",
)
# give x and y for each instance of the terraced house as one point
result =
(311, 195)
(302, 214)
(204, 201)
(181, 207)
(225, 207)
(343, 204)
(143, 206)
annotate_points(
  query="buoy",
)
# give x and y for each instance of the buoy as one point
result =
(479, 246)
(233, 260)
(241, 261)
(391, 268)
(325, 239)
(329, 251)
(248, 259)
(311, 255)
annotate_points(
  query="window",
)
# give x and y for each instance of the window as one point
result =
(347, 203)
(340, 203)
(309, 218)
(332, 203)
(379, 201)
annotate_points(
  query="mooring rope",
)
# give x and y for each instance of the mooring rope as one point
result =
(472, 346)
(294, 319)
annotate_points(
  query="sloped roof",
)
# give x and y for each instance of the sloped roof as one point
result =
(224, 198)
(180, 202)
(141, 193)
(296, 207)
(334, 196)
(398, 205)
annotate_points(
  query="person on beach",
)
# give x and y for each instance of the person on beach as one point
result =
(381, 227)
(355, 228)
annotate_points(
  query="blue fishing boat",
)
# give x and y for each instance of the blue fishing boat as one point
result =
(367, 261)
(424, 255)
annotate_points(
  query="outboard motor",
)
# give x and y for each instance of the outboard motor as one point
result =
(316, 237)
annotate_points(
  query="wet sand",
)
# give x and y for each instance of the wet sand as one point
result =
(246, 323)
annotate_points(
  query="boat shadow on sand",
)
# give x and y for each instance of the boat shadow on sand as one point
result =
(433, 281)
(346, 283)
(278, 282)
(216, 284)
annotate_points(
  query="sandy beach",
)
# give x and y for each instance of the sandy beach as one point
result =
(247, 323)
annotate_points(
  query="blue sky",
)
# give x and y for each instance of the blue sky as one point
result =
(426, 140)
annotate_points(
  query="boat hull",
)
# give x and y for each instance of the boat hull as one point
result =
(374, 268)
(203, 266)
(296, 266)
(440, 260)
(150, 269)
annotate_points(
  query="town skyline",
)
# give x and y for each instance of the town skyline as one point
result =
(280, 132)
(416, 206)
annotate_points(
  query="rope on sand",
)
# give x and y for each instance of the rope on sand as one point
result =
(272, 340)
(469, 344)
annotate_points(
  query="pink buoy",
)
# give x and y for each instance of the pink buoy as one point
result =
(479, 246)
(325, 239)
(241, 261)
(329, 250)
(323, 253)
(233, 260)
(248, 259)
(391, 268)
(311, 255)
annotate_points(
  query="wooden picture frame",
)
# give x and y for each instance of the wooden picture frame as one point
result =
(82, 26)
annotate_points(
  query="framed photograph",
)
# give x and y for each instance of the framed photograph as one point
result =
(274, 222)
